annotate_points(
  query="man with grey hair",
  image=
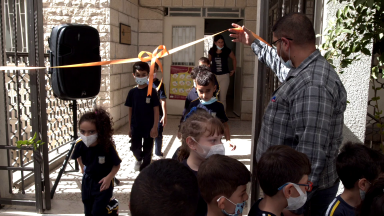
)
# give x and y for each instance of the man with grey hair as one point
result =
(307, 111)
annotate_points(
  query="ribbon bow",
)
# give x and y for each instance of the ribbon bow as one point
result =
(153, 57)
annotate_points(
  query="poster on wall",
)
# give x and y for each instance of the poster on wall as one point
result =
(181, 82)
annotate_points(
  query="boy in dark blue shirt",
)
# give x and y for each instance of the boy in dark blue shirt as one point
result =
(356, 170)
(143, 116)
(159, 86)
(206, 86)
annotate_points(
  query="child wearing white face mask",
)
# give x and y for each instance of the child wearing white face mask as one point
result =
(201, 137)
(96, 150)
(223, 183)
(283, 177)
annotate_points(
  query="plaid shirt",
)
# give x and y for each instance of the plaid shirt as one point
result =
(306, 112)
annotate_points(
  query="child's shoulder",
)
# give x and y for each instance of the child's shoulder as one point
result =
(256, 211)
(339, 207)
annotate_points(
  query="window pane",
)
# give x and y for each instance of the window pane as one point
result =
(182, 35)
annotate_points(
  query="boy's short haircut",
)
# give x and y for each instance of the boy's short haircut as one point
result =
(220, 175)
(281, 164)
(353, 163)
(196, 70)
(141, 66)
(204, 60)
(165, 187)
(204, 76)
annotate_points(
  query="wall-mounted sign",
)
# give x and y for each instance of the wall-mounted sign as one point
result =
(125, 34)
(181, 82)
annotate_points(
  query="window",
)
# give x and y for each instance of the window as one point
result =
(21, 23)
(180, 36)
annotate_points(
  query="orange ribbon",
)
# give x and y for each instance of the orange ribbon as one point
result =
(153, 57)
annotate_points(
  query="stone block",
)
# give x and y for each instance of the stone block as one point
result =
(136, 2)
(151, 26)
(230, 3)
(248, 67)
(115, 34)
(114, 17)
(165, 3)
(105, 69)
(187, 3)
(115, 82)
(116, 4)
(104, 28)
(56, 20)
(66, 3)
(91, 3)
(124, 81)
(98, 20)
(150, 2)
(116, 68)
(246, 117)
(252, 3)
(198, 3)
(246, 106)
(104, 37)
(209, 3)
(123, 19)
(134, 11)
(115, 113)
(219, 3)
(249, 55)
(241, 3)
(124, 109)
(132, 82)
(248, 81)
(112, 51)
(145, 13)
(147, 48)
(251, 25)
(134, 23)
(54, 11)
(247, 94)
(150, 38)
(76, 3)
(127, 7)
(124, 95)
(132, 51)
(134, 38)
(104, 95)
(121, 51)
(177, 3)
(46, 3)
(250, 13)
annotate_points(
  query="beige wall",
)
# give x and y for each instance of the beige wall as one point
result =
(105, 16)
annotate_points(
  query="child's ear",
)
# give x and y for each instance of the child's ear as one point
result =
(221, 203)
(133, 74)
(363, 184)
(287, 190)
(191, 143)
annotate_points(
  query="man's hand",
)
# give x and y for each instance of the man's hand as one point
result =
(105, 183)
(163, 120)
(82, 169)
(232, 72)
(231, 145)
(242, 35)
(153, 132)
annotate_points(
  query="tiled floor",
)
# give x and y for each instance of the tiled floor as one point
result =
(67, 199)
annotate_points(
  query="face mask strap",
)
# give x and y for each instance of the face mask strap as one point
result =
(226, 199)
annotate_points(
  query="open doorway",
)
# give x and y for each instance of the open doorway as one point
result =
(213, 26)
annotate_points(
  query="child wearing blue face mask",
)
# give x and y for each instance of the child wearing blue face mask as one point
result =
(223, 184)
(143, 114)
(206, 86)
(283, 177)
(96, 150)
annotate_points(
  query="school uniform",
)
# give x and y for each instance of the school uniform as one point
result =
(142, 121)
(339, 207)
(216, 109)
(99, 164)
(162, 96)
(202, 207)
(256, 211)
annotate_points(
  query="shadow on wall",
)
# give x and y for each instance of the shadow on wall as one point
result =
(349, 136)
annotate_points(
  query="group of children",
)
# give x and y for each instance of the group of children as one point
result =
(203, 181)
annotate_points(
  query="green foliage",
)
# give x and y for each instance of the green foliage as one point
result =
(36, 144)
(358, 27)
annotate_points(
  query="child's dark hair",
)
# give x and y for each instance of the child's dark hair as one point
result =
(204, 60)
(196, 70)
(281, 164)
(215, 39)
(165, 187)
(141, 66)
(353, 163)
(373, 203)
(221, 175)
(104, 126)
(195, 126)
(204, 77)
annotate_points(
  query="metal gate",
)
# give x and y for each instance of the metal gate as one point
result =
(29, 104)
(267, 82)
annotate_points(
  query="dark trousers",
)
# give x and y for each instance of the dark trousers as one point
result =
(142, 150)
(159, 139)
(95, 202)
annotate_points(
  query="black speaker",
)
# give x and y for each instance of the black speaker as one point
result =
(74, 44)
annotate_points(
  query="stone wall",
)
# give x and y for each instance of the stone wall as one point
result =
(151, 33)
(105, 16)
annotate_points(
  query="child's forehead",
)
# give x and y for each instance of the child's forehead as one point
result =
(141, 72)
(87, 125)
(210, 85)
